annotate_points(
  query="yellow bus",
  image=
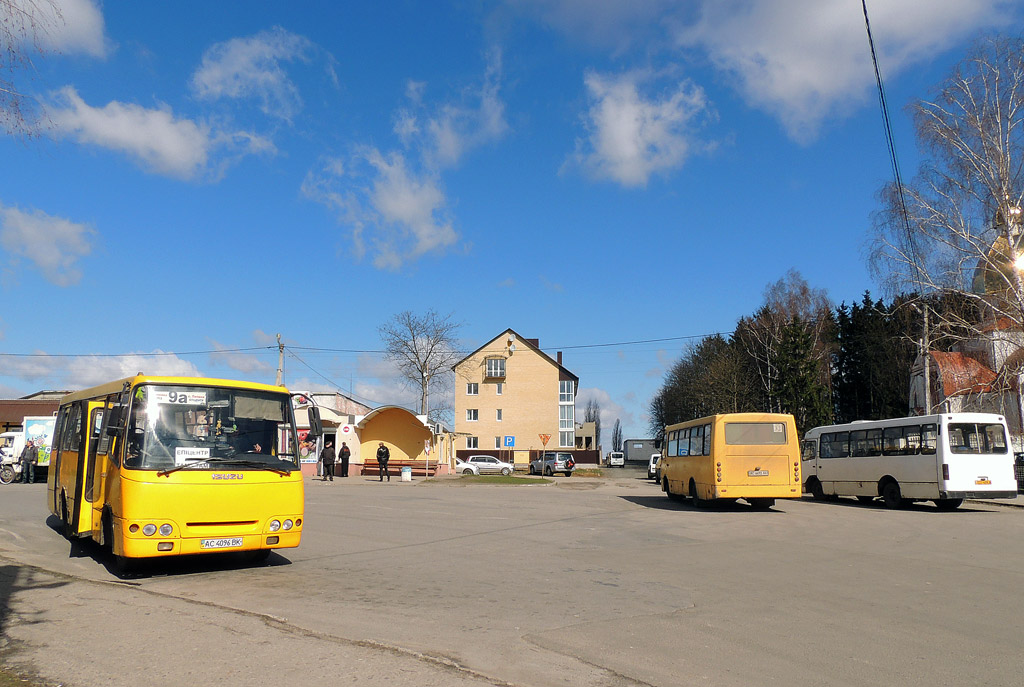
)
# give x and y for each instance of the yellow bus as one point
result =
(164, 466)
(750, 456)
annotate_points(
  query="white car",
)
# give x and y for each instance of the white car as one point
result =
(652, 466)
(489, 465)
(464, 468)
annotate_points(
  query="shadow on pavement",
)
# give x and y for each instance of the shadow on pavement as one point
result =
(167, 566)
(662, 502)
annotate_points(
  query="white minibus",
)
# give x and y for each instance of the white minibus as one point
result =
(942, 458)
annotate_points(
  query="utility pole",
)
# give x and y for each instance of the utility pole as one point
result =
(925, 347)
(280, 362)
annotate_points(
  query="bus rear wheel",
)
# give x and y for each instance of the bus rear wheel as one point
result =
(948, 504)
(891, 495)
(761, 504)
(698, 502)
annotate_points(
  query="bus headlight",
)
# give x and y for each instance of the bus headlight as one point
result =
(149, 530)
(275, 525)
(165, 530)
(287, 524)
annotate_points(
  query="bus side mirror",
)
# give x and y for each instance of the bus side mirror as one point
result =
(316, 428)
(114, 420)
(657, 444)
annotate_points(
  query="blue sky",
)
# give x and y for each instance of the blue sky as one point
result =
(211, 174)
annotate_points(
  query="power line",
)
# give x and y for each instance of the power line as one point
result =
(128, 355)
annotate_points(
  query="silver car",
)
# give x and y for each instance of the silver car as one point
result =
(464, 468)
(489, 465)
(554, 461)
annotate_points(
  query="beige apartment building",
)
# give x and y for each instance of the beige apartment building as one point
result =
(509, 397)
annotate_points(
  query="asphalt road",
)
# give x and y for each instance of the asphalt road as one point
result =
(582, 582)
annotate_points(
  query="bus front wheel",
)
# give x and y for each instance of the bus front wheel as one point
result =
(816, 490)
(891, 495)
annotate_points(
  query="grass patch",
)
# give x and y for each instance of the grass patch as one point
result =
(589, 472)
(9, 679)
(502, 479)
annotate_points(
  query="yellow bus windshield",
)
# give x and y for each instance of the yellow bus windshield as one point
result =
(206, 427)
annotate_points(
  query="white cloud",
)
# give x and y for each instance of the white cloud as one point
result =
(617, 25)
(155, 138)
(67, 26)
(241, 361)
(78, 372)
(53, 245)
(252, 68)
(610, 411)
(806, 60)
(630, 136)
(394, 201)
(396, 213)
(803, 61)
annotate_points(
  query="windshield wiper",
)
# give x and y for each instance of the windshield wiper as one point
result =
(228, 461)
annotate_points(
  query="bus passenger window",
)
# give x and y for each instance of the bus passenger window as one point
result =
(874, 441)
(808, 449)
(859, 443)
(928, 439)
(893, 443)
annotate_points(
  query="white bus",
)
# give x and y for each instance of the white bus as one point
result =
(941, 458)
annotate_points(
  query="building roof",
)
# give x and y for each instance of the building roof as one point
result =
(962, 375)
(13, 411)
(534, 344)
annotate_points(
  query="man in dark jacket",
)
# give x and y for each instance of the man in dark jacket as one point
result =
(327, 456)
(29, 455)
(383, 456)
(344, 453)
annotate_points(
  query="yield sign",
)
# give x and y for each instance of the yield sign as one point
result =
(544, 438)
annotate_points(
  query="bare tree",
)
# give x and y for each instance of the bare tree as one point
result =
(956, 227)
(423, 348)
(760, 335)
(592, 413)
(617, 435)
(23, 23)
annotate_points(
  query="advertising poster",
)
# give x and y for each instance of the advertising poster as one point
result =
(40, 431)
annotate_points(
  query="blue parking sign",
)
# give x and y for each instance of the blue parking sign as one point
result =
(510, 441)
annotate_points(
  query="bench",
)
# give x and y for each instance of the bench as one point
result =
(371, 467)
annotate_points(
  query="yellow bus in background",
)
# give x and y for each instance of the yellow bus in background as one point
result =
(164, 466)
(750, 456)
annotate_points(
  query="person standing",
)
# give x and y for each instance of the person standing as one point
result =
(383, 456)
(28, 462)
(344, 453)
(327, 456)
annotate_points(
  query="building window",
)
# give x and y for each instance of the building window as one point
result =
(497, 414)
(471, 442)
(496, 367)
(472, 389)
(566, 417)
(566, 414)
(566, 392)
(499, 388)
(497, 442)
(472, 414)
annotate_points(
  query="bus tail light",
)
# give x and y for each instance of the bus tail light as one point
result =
(271, 540)
(945, 471)
(165, 546)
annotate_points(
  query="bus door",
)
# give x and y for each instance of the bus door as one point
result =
(95, 469)
(69, 449)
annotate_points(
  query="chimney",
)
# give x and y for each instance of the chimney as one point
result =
(558, 357)
(534, 342)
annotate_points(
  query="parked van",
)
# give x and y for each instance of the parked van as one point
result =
(616, 459)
